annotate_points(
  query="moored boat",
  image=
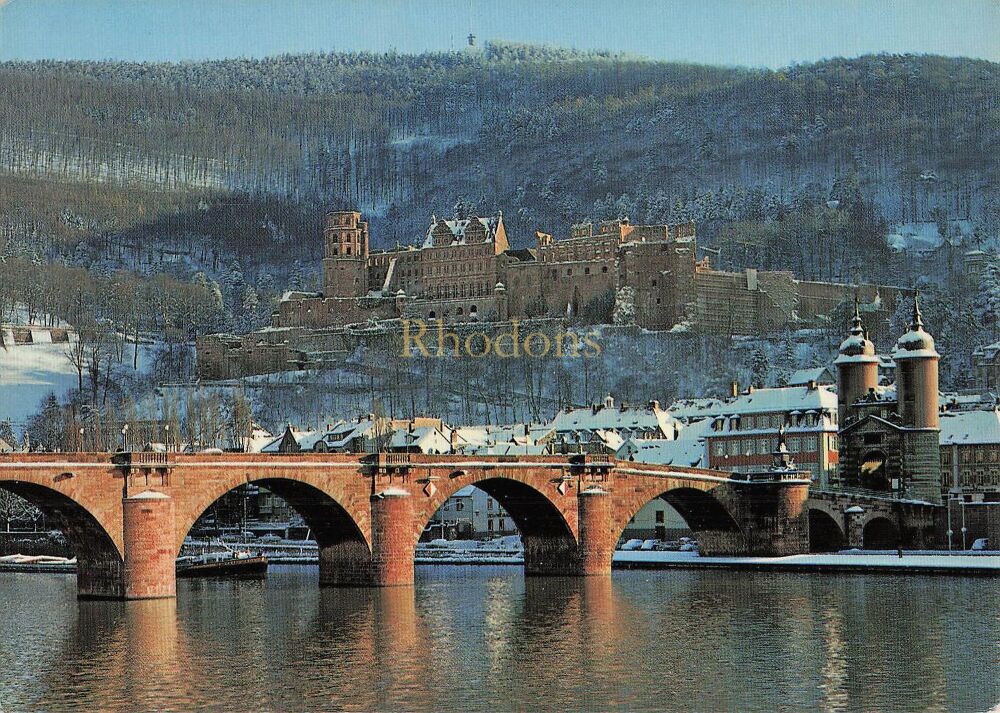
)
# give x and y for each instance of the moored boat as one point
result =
(223, 564)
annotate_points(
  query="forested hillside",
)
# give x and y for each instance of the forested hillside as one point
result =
(214, 175)
(548, 135)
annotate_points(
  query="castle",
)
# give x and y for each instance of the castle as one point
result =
(464, 270)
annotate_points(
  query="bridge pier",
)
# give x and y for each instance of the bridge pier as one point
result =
(148, 530)
(393, 539)
(775, 519)
(597, 531)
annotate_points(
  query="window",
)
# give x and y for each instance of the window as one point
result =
(659, 516)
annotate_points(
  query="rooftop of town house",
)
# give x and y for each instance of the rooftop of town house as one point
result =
(781, 399)
(979, 427)
(609, 417)
(687, 450)
(816, 374)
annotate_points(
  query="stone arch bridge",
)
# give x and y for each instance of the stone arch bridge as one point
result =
(126, 515)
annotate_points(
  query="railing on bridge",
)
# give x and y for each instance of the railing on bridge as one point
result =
(149, 459)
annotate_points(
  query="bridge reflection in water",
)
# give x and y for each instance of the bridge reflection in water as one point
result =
(482, 638)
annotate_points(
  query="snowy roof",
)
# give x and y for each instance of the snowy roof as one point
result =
(458, 228)
(476, 436)
(819, 374)
(423, 439)
(687, 450)
(298, 295)
(925, 236)
(608, 417)
(686, 409)
(988, 351)
(782, 400)
(970, 427)
(915, 344)
(954, 401)
(306, 440)
(342, 433)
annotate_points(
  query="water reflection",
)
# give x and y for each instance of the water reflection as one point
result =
(489, 639)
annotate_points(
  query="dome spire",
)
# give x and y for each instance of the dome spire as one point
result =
(856, 328)
(917, 323)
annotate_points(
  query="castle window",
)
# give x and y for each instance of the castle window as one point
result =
(569, 271)
(654, 283)
(586, 271)
(604, 268)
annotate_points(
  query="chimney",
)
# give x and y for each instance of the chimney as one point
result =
(734, 389)
(453, 438)
(750, 389)
(811, 385)
(654, 405)
(609, 401)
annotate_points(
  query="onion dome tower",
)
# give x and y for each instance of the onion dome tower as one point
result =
(857, 367)
(917, 375)
(917, 401)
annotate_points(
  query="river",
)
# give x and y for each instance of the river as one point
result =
(487, 639)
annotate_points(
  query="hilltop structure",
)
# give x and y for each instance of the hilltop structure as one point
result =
(464, 270)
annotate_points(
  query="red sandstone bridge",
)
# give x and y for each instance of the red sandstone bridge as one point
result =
(126, 515)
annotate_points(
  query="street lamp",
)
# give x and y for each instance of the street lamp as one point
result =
(125, 437)
(166, 437)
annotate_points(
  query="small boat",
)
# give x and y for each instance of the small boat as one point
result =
(223, 564)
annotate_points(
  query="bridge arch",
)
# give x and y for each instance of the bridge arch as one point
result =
(825, 533)
(547, 522)
(99, 553)
(340, 526)
(712, 522)
(880, 533)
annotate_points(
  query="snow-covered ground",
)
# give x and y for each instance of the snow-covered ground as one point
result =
(28, 373)
(858, 561)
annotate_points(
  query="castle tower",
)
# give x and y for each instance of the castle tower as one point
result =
(345, 254)
(917, 402)
(857, 368)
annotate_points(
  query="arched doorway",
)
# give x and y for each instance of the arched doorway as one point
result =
(873, 469)
(825, 535)
(880, 533)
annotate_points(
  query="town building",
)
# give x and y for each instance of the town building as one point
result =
(471, 513)
(986, 367)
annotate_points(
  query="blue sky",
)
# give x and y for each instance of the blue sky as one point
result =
(769, 33)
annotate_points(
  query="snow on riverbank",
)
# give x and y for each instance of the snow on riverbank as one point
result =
(957, 563)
